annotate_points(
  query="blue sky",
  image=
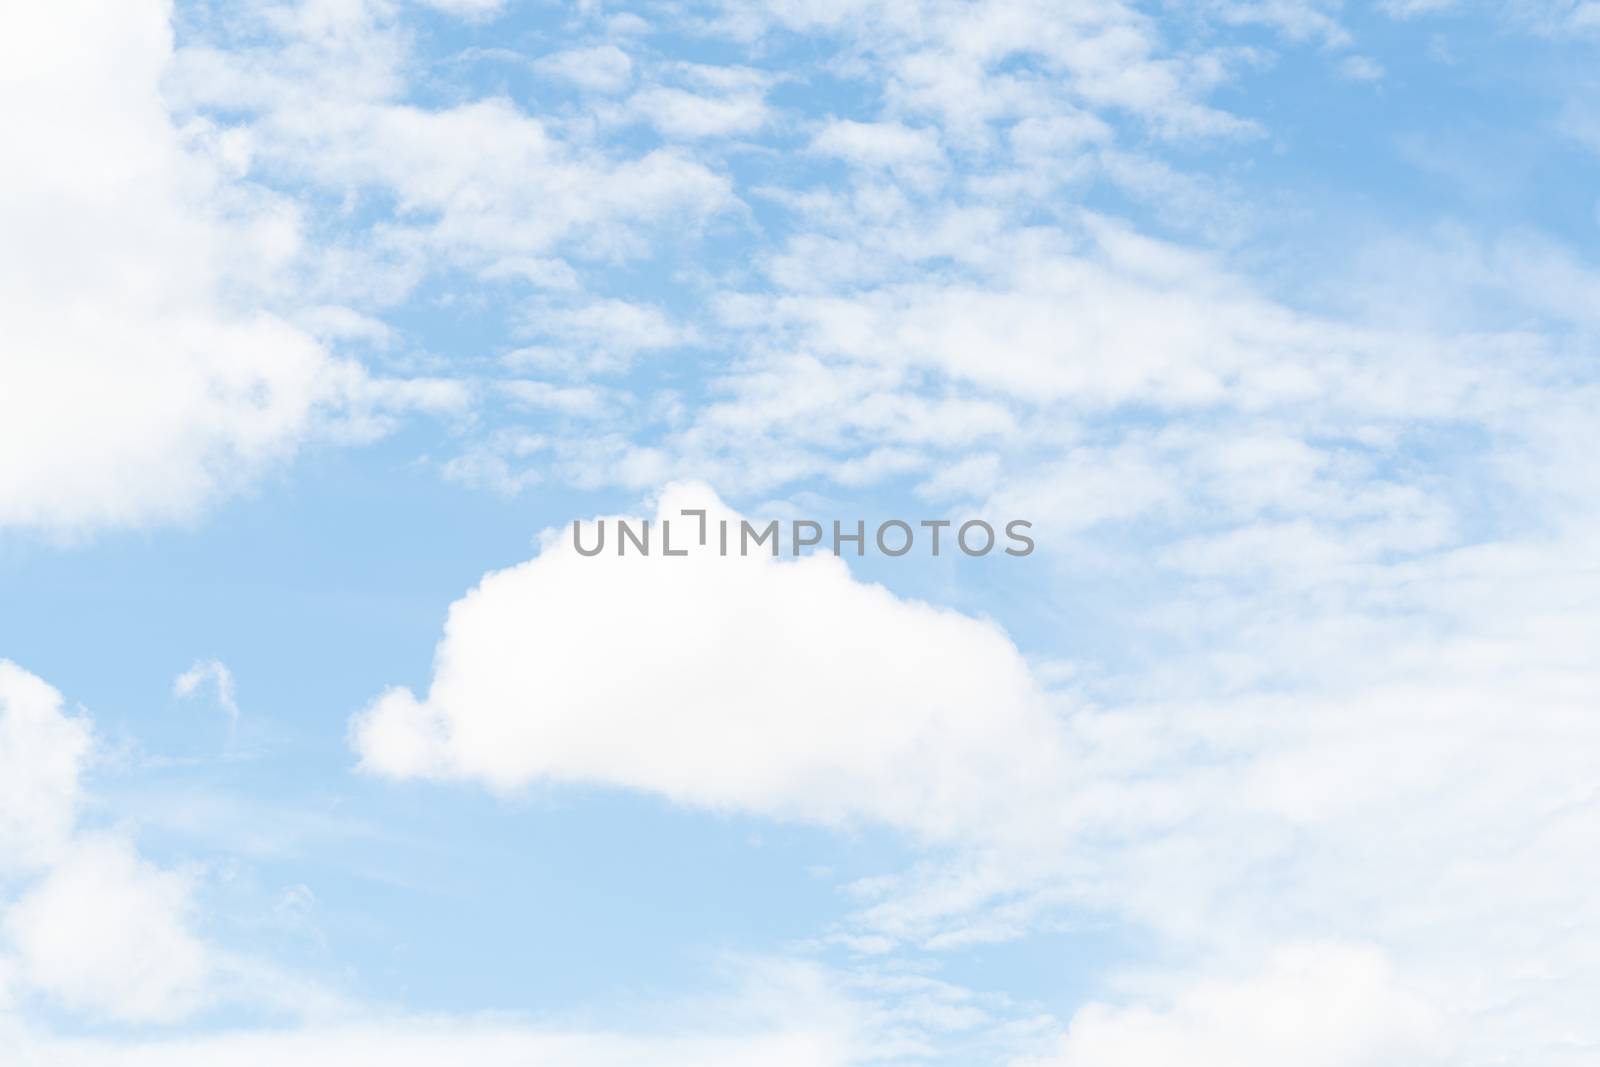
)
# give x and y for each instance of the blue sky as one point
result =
(326, 320)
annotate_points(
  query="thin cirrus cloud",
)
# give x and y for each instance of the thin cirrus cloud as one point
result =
(213, 674)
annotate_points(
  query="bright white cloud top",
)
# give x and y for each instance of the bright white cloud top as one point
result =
(1277, 321)
(136, 386)
(777, 686)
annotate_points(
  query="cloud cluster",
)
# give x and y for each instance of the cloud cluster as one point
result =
(85, 922)
(1322, 732)
(91, 928)
(482, 185)
(1256, 756)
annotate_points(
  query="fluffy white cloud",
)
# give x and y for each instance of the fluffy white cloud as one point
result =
(781, 687)
(1313, 1004)
(107, 934)
(93, 927)
(137, 381)
(42, 753)
(1292, 710)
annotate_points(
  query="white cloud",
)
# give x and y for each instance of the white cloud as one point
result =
(150, 293)
(42, 753)
(98, 931)
(947, 331)
(471, 9)
(1297, 20)
(408, 1043)
(106, 934)
(136, 385)
(597, 336)
(1407, 9)
(216, 673)
(576, 401)
(786, 1013)
(1361, 69)
(481, 185)
(93, 928)
(877, 143)
(716, 102)
(90, 927)
(1312, 1004)
(777, 687)
(914, 155)
(1102, 315)
(487, 183)
(1298, 701)
(1374, 545)
(602, 69)
(971, 65)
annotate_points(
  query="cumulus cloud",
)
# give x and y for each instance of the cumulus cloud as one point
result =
(136, 384)
(158, 352)
(107, 934)
(42, 753)
(92, 926)
(779, 687)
